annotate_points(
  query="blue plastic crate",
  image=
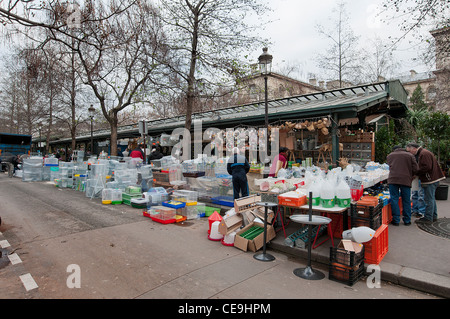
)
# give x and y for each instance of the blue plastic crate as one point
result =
(223, 200)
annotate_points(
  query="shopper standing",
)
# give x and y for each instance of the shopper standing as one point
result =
(238, 167)
(418, 201)
(429, 174)
(402, 168)
(279, 162)
(137, 152)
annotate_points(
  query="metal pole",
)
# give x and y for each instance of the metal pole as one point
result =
(266, 98)
(92, 138)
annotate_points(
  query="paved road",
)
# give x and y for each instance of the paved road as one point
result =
(64, 239)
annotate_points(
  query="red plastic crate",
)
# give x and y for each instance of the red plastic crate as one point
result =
(336, 225)
(387, 214)
(377, 248)
(291, 201)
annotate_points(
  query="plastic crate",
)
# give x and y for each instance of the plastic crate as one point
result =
(185, 196)
(364, 211)
(161, 214)
(291, 201)
(336, 226)
(386, 214)
(346, 258)
(377, 248)
(374, 222)
(223, 200)
(345, 274)
(207, 210)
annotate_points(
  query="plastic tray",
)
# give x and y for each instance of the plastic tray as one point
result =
(173, 204)
(223, 200)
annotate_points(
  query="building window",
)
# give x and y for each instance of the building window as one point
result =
(431, 93)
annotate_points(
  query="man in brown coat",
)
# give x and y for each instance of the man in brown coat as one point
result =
(429, 174)
(402, 168)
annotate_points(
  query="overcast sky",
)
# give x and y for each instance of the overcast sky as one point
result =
(296, 40)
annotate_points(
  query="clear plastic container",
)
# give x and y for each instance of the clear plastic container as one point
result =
(185, 196)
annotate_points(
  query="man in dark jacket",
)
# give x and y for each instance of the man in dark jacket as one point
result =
(429, 174)
(155, 154)
(238, 167)
(402, 168)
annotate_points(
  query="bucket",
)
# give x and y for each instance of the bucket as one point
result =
(343, 202)
(441, 192)
(315, 201)
(356, 193)
(214, 233)
(328, 203)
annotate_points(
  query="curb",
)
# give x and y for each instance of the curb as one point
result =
(427, 282)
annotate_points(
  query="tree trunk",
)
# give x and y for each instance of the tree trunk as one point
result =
(191, 77)
(113, 124)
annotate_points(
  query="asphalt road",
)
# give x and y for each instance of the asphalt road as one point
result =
(73, 247)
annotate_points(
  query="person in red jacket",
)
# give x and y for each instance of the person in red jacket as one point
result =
(137, 153)
(429, 174)
(402, 168)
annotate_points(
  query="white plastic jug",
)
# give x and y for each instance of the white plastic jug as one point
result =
(343, 190)
(315, 190)
(343, 194)
(327, 190)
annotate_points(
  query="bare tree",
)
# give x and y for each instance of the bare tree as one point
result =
(378, 60)
(119, 57)
(341, 59)
(210, 40)
(35, 14)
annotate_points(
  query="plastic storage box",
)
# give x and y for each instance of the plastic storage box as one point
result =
(164, 215)
(186, 196)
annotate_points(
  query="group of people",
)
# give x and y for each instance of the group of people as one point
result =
(413, 163)
(406, 166)
(138, 152)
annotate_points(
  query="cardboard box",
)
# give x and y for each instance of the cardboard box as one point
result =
(349, 246)
(255, 244)
(230, 224)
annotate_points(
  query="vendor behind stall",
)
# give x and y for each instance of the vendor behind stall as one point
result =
(238, 167)
(279, 162)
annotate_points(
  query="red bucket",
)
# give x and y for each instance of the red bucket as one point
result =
(357, 193)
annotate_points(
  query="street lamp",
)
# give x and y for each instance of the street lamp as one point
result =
(265, 66)
(40, 137)
(91, 110)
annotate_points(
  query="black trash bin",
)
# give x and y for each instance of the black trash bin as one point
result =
(441, 192)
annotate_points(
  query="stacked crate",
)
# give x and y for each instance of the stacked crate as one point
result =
(366, 212)
(346, 266)
(369, 212)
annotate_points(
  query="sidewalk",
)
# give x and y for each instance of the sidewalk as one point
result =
(416, 259)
